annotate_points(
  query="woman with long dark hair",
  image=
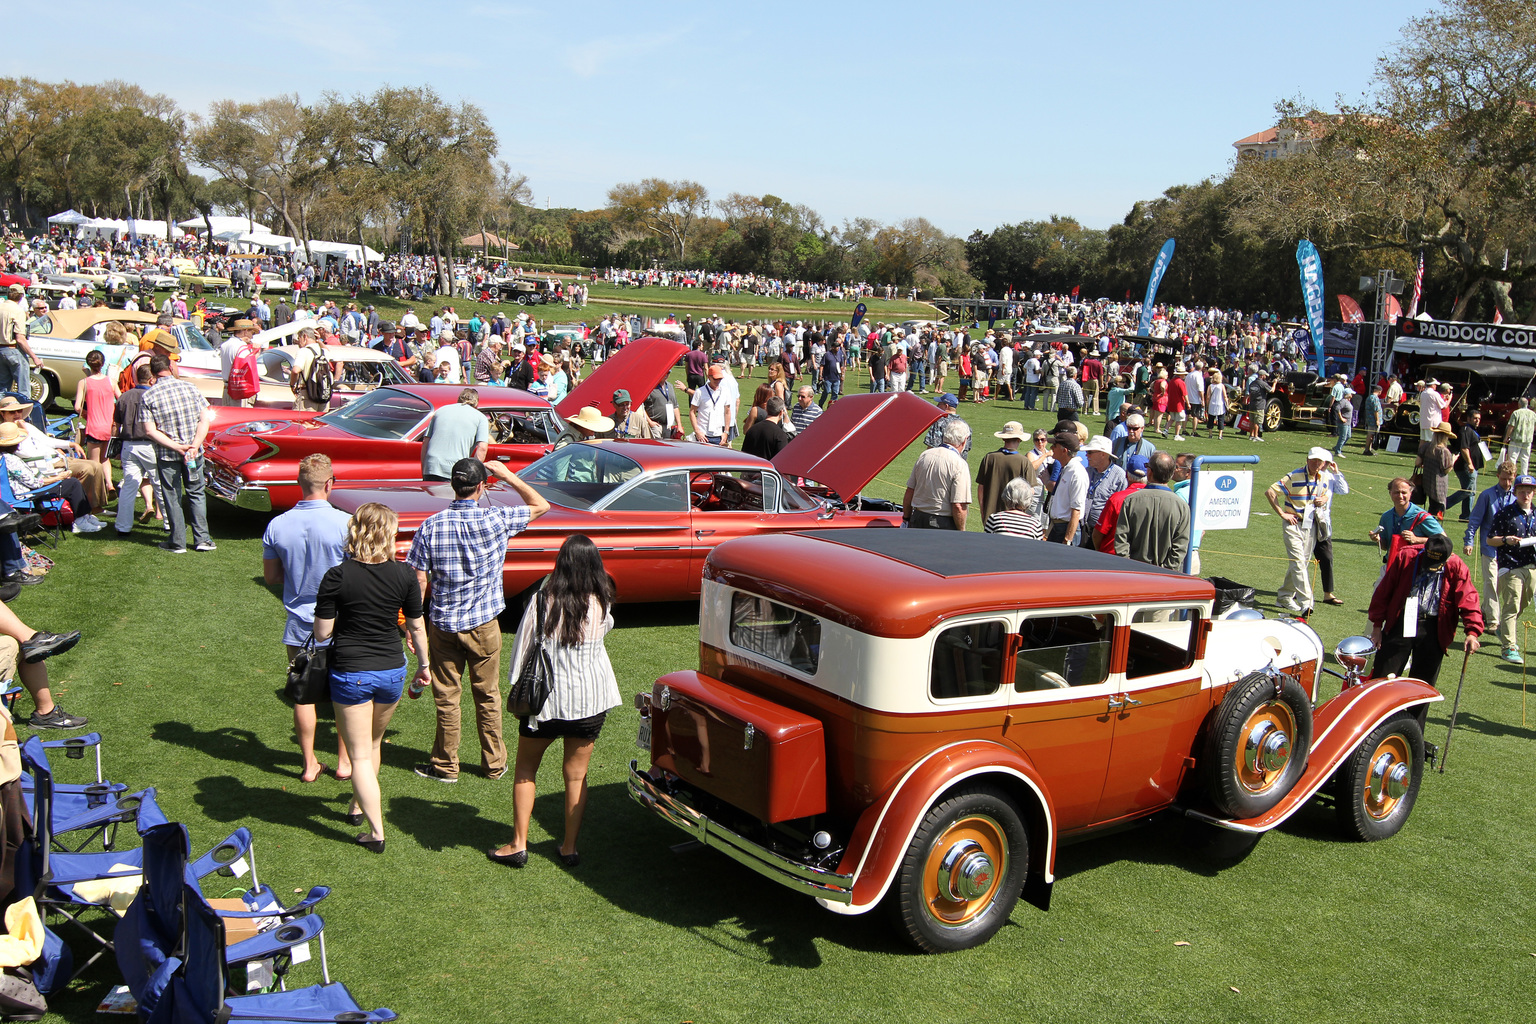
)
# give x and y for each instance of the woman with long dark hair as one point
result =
(577, 600)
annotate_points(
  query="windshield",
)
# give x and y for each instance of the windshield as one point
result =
(580, 475)
(192, 337)
(385, 414)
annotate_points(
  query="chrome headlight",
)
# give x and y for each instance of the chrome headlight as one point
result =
(256, 427)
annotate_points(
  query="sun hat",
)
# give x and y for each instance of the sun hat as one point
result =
(1444, 428)
(11, 434)
(243, 325)
(1100, 443)
(11, 404)
(590, 419)
(1013, 430)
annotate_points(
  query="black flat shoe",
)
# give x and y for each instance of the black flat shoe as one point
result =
(367, 842)
(570, 860)
(354, 817)
(511, 860)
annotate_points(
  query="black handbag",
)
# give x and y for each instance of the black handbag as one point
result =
(530, 691)
(309, 675)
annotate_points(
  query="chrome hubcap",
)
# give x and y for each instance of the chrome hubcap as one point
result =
(1268, 748)
(1389, 777)
(965, 873)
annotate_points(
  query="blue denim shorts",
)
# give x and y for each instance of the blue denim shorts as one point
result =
(382, 686)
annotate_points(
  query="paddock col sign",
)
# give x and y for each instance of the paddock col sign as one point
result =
(1223, 500)
(1513, 335)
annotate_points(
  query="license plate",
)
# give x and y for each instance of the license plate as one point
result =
(643, 738)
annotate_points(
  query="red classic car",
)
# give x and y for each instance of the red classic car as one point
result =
(656, 509)
(254, 463)
(920, 718)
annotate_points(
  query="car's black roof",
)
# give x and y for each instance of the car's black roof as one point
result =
(950, 553)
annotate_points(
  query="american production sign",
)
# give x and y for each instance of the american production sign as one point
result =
(1223, 500)
(1511, 335)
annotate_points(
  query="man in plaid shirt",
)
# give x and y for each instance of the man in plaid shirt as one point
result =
(460, 552)
(176, 419)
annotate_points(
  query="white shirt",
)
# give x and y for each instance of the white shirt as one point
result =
(1071, 491)
(710, 406)
(450, 355)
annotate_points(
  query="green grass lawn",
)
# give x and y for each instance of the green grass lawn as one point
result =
(181, 667)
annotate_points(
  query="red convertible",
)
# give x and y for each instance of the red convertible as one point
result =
(656, 509)
(254, 463)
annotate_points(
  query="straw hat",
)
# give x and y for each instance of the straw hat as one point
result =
(11, 404)
(11, 435)
(590, 419)
(1013, 430)
(1444, 428)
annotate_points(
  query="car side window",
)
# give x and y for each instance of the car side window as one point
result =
(1162, 640)
(750, 491)
(520, 426)
(968, 660)
(666, 493)
(1061, 651)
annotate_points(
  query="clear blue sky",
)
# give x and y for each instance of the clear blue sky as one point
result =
(970, 114)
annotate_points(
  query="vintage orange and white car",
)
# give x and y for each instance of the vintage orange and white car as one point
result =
(919, 719)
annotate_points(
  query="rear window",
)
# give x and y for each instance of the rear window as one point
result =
(777, 632)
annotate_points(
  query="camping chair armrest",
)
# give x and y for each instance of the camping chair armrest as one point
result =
(273, 941)
(90, 739)
(304, 906)
(235, 846)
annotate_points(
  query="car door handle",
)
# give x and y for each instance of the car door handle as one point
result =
(1122, 701)
(702, 533)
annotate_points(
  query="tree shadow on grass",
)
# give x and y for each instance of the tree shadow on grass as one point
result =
(701, 891)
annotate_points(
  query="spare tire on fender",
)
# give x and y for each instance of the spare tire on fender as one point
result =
(1257, 745)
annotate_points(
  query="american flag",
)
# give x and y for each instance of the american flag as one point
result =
(1498, 316)
(1418, 288)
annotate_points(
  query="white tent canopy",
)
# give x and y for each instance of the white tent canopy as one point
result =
(222, 225)
(69, 218)
(346, 250)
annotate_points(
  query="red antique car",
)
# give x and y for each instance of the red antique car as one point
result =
(656, 509)
(254, 462)
(920, 718)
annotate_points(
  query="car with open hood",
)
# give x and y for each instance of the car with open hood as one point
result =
(656, 509)
(918, 720)
(253, 454)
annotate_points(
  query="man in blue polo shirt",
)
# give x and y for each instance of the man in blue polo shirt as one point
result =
(297, 549)
(1489, 504)
(455, 432)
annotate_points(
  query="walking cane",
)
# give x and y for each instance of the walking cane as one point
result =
(1455, 704)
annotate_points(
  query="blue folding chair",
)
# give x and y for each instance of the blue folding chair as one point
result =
(40, 500)
(53, 878)
(88, 812)
(192, 988)
(151, 927)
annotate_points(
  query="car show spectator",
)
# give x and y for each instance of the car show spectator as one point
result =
(16, 357)
(1372, 415)
(1467, 447)
(998, 468)
(1154, 522)
(938, 494)
(1518, 432)
(1105, 478)
(1069, 495)
(1294, 497)
(1434, 464)
(1510, 533)
(577, 613)
(766, 438)
(1132, 442)
(137, 455)
(454, 432)
(1475, 543)
(22, 653)
(238, 351)
(1404, 524)
(1018, 512)
(1415, 608)
(457, 554)
(297, 549)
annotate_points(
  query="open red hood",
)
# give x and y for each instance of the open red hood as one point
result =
(637, 368)
(855, 438)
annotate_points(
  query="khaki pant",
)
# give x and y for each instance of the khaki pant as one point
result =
(1490, 590)
(1514, 595)
(479, 651)
(302, 404)
(93, 480)
(1298, 548)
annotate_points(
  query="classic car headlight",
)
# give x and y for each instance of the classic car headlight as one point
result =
(256, 427)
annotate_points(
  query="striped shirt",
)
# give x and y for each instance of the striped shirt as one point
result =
(461, 549)
(584, 683)
(1300, 489)
(1016, 523)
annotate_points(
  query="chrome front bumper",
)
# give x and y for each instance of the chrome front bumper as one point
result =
(826, 885)
(229, 487)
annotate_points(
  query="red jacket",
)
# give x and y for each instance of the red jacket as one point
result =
(1457, 593)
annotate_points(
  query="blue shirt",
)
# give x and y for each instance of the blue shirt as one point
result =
(1392, 523)
(308, 539)
(462, 549)
(1489, 504)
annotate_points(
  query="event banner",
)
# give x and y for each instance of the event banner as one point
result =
(1224, 499)
(858, 314)
(1350, 310)
(1311, 265)
(1159, 267)
(1513, 335)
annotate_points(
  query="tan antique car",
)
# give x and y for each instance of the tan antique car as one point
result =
(354, 371)
(62, 337)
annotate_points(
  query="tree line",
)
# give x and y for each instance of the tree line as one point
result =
(1438, 162)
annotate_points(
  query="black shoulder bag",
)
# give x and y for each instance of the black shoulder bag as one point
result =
(309, 675)
(530, 690)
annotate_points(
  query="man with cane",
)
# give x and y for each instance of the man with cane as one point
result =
(1414, 610)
